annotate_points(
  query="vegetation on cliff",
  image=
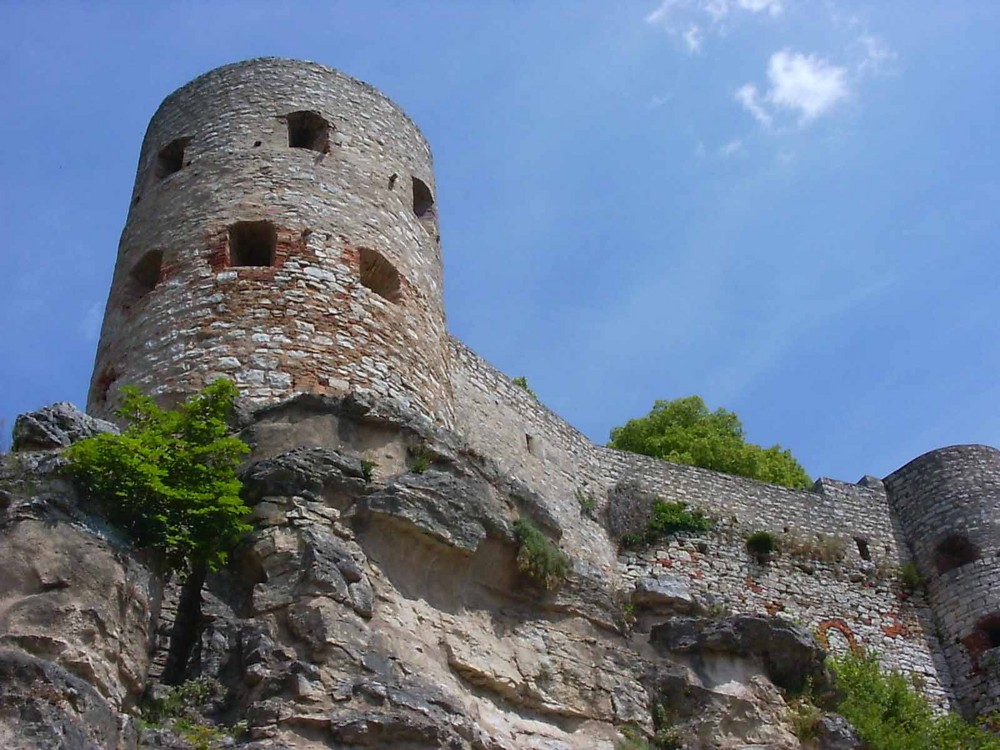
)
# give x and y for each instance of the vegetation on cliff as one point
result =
(889, 714)
(686, 432)
(169, 480)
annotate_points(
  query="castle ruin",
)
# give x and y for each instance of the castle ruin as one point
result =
(282, 232)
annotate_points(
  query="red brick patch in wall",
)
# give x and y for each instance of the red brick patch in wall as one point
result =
(840, 626)
(898, 628)
(754, 587)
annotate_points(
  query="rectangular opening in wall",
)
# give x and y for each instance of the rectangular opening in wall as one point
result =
(863, 549)
(533, 445)
(308, 130)
(379, 275)
(170, 158)
(143, 277)
(252, 243)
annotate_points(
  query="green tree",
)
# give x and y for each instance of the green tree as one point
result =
(169, 480)
(685, 431)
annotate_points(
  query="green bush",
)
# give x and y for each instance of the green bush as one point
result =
(889, 714)
(668, 519)
(537, 557)
(368, 470)
(910, 577)
(169, 480)
(761, 544)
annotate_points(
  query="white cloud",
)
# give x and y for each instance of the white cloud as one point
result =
(691, 21)
(693, 39)
(732, 148)
(656, 101)
(774, 7)
(803, 84)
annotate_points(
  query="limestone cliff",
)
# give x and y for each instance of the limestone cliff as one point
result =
(367, 609)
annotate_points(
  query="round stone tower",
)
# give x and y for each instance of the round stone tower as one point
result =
(282, 232)
(947, 503)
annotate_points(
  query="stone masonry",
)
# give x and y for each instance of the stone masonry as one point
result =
(282, 233)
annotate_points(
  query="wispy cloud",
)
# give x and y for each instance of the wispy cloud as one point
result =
(804, 85)
(876, 56)
(733, 148)
(693, 38)
(657, 101)
(692, 21)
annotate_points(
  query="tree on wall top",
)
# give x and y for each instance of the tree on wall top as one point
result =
(685, 431)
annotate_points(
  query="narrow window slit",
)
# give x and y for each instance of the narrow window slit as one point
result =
(423, 201)
(863, 549)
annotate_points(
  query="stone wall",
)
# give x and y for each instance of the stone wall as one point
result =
(348, 298)
(853, 600)
(948, 505)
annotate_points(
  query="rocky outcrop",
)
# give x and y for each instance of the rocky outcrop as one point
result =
(782, 651)
(377, 603)
(56, 426)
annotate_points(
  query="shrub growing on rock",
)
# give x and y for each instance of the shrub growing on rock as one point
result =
(537, 557)
(169, 480)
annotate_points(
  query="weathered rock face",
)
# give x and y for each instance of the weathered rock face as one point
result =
(76, 611)
(372, 606)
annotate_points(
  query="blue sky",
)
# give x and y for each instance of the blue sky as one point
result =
(788, 207)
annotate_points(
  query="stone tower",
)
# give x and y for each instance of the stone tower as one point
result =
(282, 232)
(947, 503)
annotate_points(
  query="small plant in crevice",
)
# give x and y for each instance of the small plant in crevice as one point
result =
(522, 382)
(803, 714)
(421, 459)
(185, 701)
(665, 736)
(368, 470)
(588, 504)
(537, 557)
(761, 544)
(910, 577)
